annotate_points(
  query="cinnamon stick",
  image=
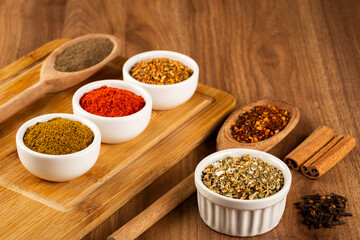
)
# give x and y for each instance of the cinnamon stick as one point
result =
(332, 157)
(306, 166)
(311, 145)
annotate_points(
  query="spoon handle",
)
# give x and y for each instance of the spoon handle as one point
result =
(156, 211)
(12, 101)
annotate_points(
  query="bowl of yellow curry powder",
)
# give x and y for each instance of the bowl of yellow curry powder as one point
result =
(58, 147)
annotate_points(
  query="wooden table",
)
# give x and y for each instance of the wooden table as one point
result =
(305, 52)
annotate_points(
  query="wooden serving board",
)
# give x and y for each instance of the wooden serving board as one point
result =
(74, 208)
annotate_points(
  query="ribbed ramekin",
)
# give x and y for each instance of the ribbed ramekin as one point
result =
(235, 217)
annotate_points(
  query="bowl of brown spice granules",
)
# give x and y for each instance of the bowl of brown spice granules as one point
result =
(242, 192)
(58, 147)
(171, 78)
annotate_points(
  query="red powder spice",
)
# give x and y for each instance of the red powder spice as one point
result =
(111, 102)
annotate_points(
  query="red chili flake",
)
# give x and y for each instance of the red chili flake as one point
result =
(111, 102)
(259, 123)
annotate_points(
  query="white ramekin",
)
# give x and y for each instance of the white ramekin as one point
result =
(58, 168)
(235, 217)
(169, 96)
(116, 129)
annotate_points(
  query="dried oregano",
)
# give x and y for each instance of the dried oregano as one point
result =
(243, 178)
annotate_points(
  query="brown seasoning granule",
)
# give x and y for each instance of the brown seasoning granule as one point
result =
(160, 71)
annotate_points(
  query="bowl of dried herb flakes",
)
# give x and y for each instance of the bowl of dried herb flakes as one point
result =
(171, 78)
(58, 147)
(242, 192)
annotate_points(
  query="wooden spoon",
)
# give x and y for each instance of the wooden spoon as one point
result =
(225, 139)
(52, 80)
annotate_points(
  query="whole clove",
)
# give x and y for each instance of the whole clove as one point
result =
(323, 210)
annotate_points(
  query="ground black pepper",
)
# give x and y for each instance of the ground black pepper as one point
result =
(83, 55)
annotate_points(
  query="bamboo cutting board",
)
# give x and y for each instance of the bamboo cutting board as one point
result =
(31, 207)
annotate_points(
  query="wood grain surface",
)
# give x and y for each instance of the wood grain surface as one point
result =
(305, 52)
(64, 196)
(72, 209)
(12, 102)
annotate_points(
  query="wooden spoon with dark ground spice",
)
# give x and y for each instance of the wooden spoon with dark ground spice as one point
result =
(52, 80)
(225, 139)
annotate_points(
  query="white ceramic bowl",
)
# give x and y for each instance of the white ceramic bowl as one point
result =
(116, 129)
(58, 168)
(235, 217)
(169, 96)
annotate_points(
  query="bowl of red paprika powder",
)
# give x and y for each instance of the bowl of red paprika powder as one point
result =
(120, 109)
(171, 78)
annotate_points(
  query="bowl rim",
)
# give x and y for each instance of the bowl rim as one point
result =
(46, 117)
(235, 152)
(186, 60)
(97, 84)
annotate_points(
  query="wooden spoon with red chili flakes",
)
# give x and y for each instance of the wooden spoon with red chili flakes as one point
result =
(259, 125)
